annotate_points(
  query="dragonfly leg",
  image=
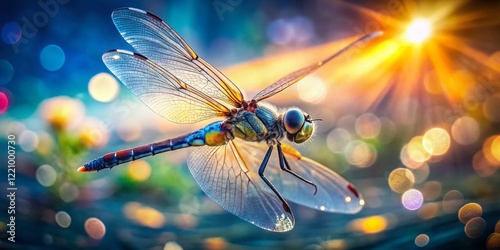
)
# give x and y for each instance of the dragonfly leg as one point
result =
(285, 167)
(269, 184)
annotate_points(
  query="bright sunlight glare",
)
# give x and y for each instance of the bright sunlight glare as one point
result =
(418, 31)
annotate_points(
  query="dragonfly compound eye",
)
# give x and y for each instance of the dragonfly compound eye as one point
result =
(305, 133)
(293, 120)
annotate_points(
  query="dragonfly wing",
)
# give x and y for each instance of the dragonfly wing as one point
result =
(153, 38)
(294, 77)
(226, 176)
(334, 194)
(160, 90)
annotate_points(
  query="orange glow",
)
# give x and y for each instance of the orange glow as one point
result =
(369, 225)
(139, 170)
(418, 31)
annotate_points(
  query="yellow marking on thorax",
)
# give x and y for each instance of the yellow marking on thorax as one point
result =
(215, 138)
(287, 149)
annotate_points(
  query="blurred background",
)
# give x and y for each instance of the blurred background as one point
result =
(410, 118)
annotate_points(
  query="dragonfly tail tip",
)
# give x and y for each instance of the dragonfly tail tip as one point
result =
(81, 169)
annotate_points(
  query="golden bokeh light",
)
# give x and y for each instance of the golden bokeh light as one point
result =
(93, 133)
(62, 112)
(103, 87)
(407, 160)
(465, 130)
(493, 241)
(144, 215)
(400, 180)
(311, 89)
(418, 31)
(436, 141)
(369, 225)
(416, 150)
(469, 211)
(139, 170)
(490, 151)
(215, 243)
(490, 108)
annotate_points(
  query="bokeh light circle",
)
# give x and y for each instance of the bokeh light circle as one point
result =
(465, 130)
(490, 108)
(360, 154)
(436, 141)
(103, 87)
(52, 57)
(68, 192)
(452, 201)
(28, 140)
(407, 160)
(63, 219)
(422, 240)
(139, 170)
(482, 166)
(62, 111)
(431, 190)
(400, 180)
(493, 241)
(412, 199)
(368, 126)
(11, 33)
(338, 139)
(6, 72)
(416, 150)
(475, 227)
(469, 211)
(312, 89)
(46, 175)
(95, 228)
(4, 103)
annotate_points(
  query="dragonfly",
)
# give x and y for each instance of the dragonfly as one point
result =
(232, 158)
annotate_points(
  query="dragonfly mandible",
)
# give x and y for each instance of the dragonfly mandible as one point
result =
(231, 159)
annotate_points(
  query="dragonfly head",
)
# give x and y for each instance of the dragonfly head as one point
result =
(298, 125)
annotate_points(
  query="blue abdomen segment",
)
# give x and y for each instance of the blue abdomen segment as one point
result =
(211, 135)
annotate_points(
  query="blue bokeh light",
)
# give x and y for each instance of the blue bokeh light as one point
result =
(6, 71)
(11, 33)
(52, 57)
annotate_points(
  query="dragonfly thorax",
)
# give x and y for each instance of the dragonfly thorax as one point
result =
(263, 122)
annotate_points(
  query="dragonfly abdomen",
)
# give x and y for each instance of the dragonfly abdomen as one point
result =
(212, 135)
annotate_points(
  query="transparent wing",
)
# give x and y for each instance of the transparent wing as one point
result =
(225, 175)
(294, 77)
(160, 90)
(153, 38)
(334, 194)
